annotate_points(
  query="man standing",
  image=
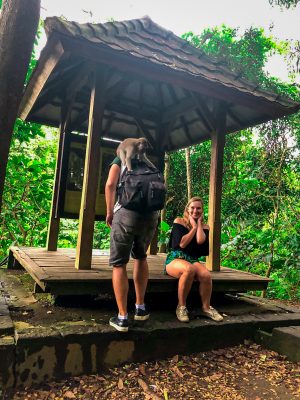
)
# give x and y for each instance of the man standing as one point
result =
(131, 233)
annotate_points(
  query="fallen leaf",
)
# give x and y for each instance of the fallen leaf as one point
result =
(69, 395)
(142, 369)
(215, 377)
(147, 390)
(177, 371)
(120, 384)
(143, 385)
(166, 396)
(175, 358)
(100, 378)
(219, 352)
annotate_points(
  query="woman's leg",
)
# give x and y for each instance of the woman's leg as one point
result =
(205, 288)
(185, 273)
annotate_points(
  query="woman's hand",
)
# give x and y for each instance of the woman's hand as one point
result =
(193, 222)
(200, 235)
(200, 221)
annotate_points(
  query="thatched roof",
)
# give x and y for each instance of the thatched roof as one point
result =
(156, 83)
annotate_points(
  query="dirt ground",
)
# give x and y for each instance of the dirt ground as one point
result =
(245, 372)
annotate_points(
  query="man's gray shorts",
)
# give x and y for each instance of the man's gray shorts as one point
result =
(131, 234)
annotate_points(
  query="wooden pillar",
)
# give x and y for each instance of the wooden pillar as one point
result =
(215, 189)
(53, 227)
(91, 173)
(153, 248)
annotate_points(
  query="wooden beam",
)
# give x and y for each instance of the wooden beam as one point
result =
(118, 88)
(165, 134)
(160, 98)
(91, 172)
(141, 95)
(53, 227)
(235, 118)
(50, 56)
(186, 129)
(79, 80)
(56, 88)
(205, 111)
(143, 128)
(135, 112)
(178, 109)
(116, 106)
(215, 189)
(199, 113)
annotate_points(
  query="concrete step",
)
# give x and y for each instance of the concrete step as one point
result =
(283, 340)
(6, 324)
(37, 353)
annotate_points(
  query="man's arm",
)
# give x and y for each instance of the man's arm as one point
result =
(110, 191)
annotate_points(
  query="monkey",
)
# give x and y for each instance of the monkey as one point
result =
(130, 148)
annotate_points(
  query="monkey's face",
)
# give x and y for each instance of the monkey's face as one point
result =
(143, 145)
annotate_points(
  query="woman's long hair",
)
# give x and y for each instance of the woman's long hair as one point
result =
(186, 216)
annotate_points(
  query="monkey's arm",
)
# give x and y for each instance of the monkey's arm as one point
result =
(146, 160)
(110, 191)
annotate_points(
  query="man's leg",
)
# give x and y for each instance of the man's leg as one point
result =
(121, 239)
(120, 285)
(145, 230)
(140, 278)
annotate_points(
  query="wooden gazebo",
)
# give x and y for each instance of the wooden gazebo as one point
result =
(131, 79)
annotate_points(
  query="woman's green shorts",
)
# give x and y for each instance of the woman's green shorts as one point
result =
(173, 254)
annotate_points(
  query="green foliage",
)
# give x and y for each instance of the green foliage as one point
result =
(164, 233)
(246, 55)
(28, 188)
(101, 236)
(33, 60)
(284, 3)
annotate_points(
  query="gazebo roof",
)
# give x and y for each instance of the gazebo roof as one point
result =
(156, 82)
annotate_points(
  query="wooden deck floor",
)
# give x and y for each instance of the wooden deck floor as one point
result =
(55, 272)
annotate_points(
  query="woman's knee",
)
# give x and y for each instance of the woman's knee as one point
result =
(189, 271)
(204, 276)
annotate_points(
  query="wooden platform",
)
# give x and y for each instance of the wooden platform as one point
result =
(55, 272)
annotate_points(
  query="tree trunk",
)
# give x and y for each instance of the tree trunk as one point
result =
(188, 172)
(162, 247)
(18, 25)
(277, 203)
(166, 177)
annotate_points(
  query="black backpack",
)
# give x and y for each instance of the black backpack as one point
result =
(142, 189)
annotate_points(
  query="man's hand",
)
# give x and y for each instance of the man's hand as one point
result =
(109, 218)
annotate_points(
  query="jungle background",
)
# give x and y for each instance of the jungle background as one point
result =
(261, 202)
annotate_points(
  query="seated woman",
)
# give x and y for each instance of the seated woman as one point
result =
(188, 242)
